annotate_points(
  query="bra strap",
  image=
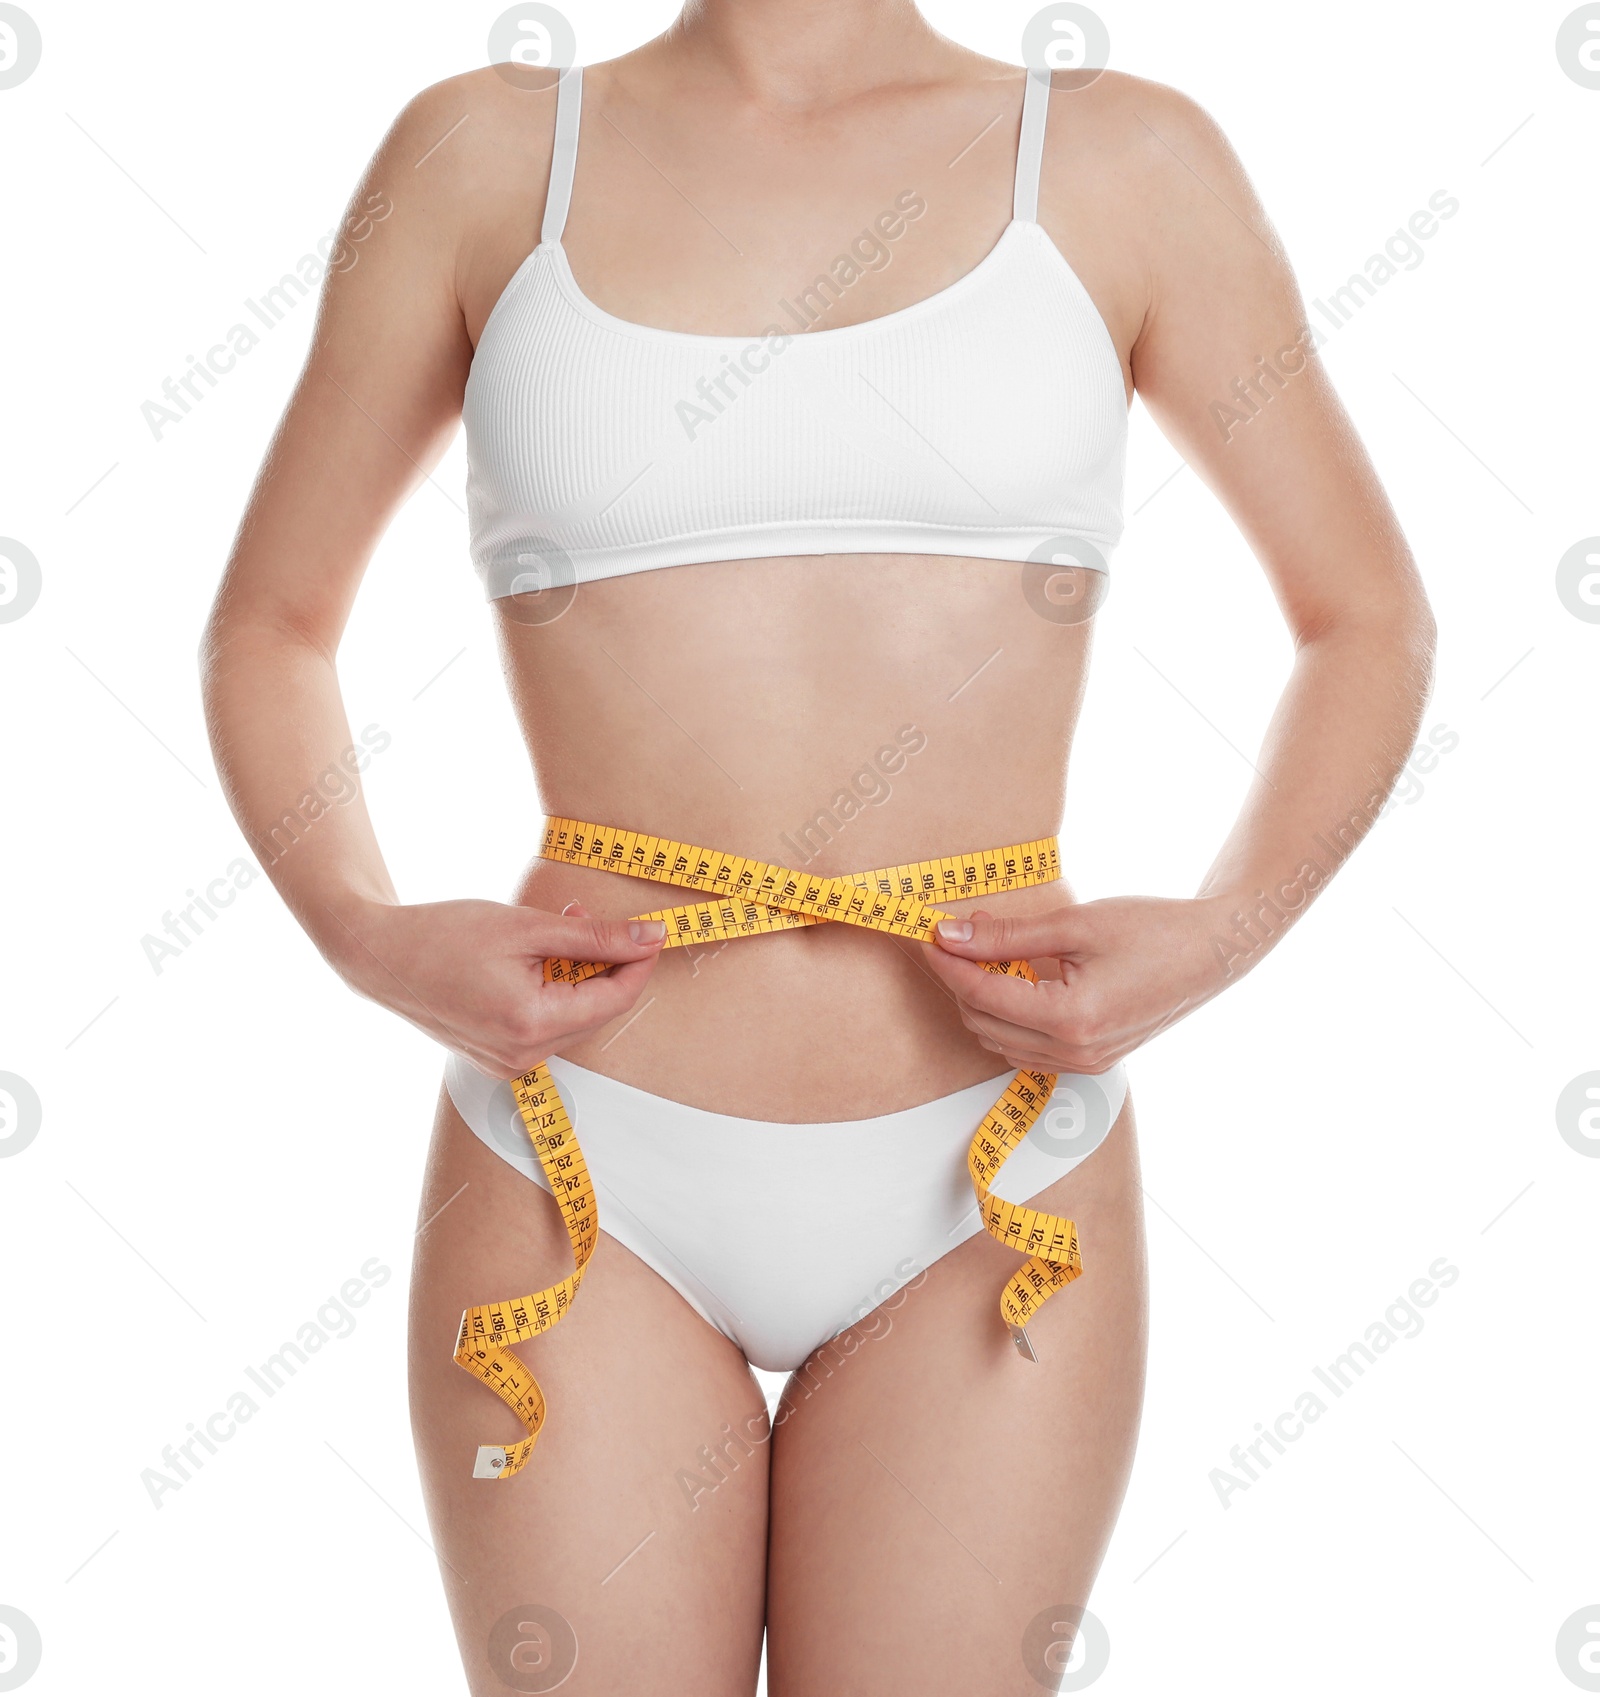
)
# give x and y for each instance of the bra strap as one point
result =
(569, 99)
(1030, 147)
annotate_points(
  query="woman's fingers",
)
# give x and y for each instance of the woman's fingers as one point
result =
(580, 936)
(1016, 999)
(1020, 1049)
(1048, 1026)
(572, 1010)
(1009, 1038)
(981, 935)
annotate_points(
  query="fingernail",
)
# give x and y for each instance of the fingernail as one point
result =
(956, 930)
(646, 930)
(568, 908)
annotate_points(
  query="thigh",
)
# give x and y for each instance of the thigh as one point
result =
(618, 1524)
(933, 1494)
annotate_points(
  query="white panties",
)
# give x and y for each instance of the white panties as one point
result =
(782, 1236)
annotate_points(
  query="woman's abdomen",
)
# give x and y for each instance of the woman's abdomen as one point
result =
(827, 714)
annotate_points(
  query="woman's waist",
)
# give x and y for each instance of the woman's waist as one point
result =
(624, 855)
(840, 1020)
(831, 1022)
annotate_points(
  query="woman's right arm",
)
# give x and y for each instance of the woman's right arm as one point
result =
(373, 411)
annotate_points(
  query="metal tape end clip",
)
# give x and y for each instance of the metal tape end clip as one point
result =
(1019, 1337)
(490, 1463)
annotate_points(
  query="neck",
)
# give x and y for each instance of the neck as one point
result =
(806, 52)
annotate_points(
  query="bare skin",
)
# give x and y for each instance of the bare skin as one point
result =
(864, 1525)
(862, 1529)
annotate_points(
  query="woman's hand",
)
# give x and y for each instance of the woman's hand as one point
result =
(1111, 974)
(471, 974)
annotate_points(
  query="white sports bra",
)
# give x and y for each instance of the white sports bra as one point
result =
(988, 420)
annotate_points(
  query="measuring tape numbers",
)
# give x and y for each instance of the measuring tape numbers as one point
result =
(747, 898)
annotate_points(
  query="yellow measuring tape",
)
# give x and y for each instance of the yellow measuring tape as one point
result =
(749, 897)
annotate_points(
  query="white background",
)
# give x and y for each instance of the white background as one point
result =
(226, 1142)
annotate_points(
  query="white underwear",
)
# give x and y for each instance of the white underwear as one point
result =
(782, 1236)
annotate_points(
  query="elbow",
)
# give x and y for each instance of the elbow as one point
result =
(1415, 634)
(1398, 616)
(214, 639)
(238, 629)
(1424, 644)
(1393, 635)
(214, 634)
(206, 651)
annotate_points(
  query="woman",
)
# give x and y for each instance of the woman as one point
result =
(800, 344)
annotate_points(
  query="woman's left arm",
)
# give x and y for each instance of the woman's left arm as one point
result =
(1226, 363)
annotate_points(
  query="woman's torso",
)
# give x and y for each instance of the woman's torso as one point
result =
(826, 711)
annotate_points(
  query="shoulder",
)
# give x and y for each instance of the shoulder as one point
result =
(460, 139)
(454, 193)
(1120, 98)
(1160, 169)
(1146, 132)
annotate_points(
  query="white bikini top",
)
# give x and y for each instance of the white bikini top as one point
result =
(988, 420)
